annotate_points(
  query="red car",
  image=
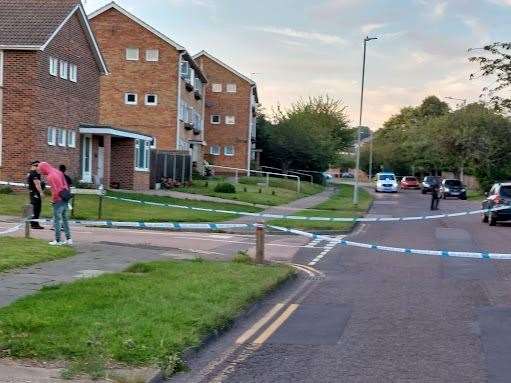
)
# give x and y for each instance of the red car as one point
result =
(410, 183)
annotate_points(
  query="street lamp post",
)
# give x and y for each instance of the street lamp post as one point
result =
(355, 191)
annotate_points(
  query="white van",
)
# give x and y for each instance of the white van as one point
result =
(386, 182)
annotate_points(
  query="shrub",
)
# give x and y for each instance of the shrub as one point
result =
(245, 189)
(225, 187)
(243, 257)
(6, 190)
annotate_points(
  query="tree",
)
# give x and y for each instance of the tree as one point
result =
(307, 136)
(496, 64)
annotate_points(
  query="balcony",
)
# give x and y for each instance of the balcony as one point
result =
(188, 126)
(188, 85)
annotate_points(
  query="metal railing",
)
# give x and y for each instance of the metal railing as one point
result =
(248, 172)
(290, 171)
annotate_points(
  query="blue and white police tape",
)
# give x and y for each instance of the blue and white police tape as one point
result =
(156, 225)
(303, 218)
(11, 230)
(408, 251)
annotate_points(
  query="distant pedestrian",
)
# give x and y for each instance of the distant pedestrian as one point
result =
(60, 195)
(69, 181)
(35, 187)
(435, 196)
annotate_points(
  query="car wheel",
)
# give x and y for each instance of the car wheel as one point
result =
(463, 197)
(423, 191)
(492, 220)
(484, 218)
(445, 197)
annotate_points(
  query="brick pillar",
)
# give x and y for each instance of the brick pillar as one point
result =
(107, 143)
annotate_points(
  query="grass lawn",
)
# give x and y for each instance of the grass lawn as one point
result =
(280, 191)
(86, 208)
(18, 252)
(475, 195)
(339, 205)
(147, 315)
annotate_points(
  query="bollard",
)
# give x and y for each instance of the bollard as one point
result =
(259, 254)
(27, 214)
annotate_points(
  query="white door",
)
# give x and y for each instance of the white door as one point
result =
(87, 158)
(101, 164)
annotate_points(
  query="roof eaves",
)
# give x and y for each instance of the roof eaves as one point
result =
(21, 47)
(221, 63)
(198, 69)
(117, 7)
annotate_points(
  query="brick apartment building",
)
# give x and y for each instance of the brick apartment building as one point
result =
(154, 85)
(230, 118)
(50, 70)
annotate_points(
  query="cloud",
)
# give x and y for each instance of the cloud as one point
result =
(501, 2)
(302, 35)
(439, 9)
(368, 28)
(478, 29)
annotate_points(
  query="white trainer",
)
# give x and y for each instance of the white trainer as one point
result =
(55, 243)
(69, 242)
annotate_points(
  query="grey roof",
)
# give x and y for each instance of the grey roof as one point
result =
(31, 22)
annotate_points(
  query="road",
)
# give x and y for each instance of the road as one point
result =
(366, 316)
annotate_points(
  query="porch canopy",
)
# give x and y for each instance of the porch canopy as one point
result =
(115, 157)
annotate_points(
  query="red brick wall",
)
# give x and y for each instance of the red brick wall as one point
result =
(122, 167)
(232, 104)
(116, 32)
(34, 100)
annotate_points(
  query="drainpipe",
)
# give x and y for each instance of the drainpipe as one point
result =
(179, 81)
(249, 141)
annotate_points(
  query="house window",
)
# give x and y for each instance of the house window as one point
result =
(153, 143)
(229, 150)
(230, 120)
(185, 70)
(61, 137)
(52, 136)
(214, 150)
(130, 99)
(151, 99)
(231, 88)
(54, 66)
(142, 153)
(73, 72)
(184, 111)
(152, 55)
(215, 119)
(71, 139)
(132, 54)
(198, 85)
(216, 88)
(63, 69)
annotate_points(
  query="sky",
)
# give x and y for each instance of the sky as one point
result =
(294, 49)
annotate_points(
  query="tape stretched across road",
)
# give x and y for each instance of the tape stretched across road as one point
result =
(408, 251)
(157, 225)
(303, 218)
(11, 230)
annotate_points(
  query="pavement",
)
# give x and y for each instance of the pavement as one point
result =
(366, 316)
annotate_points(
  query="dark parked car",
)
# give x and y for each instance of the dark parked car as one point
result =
(453, 188)
(499, 196)
(428, 182)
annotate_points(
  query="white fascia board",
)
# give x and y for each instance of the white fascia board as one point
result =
(230, 69)
(117, 7)
(21, 47)
(115, 133)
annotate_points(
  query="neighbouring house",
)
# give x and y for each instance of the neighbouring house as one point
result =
(50, 70)
(154, 87)
(230, 118)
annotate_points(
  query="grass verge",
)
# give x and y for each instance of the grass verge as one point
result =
(147, 315)
(19, 252)
(86, 208)
(247, 190)
(475, 195)
(339, 205)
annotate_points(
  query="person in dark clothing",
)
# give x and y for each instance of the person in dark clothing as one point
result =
(69, 181)
(435, 196)
(35, 188)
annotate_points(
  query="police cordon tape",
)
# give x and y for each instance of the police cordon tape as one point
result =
(11, 230)
(408, 251)
(303, 218)
(156, 225)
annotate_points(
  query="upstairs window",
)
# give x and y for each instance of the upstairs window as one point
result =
(52, 136)
(152, 55)
(130, 99)
(184, 111)
(73, 72)
(214, 150)
(185, 70)
(71, 139)
(215, 119)
(132, 54)
(54, 66)
(61, 137)
(151, 99)
(63, 69)
(231, 88)
(230, 120)
(216, 88)
(229, 150)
